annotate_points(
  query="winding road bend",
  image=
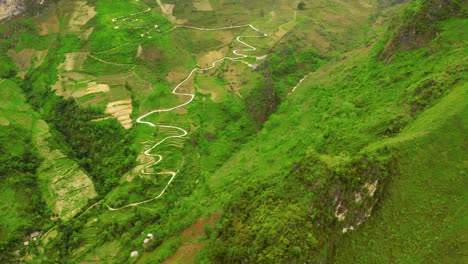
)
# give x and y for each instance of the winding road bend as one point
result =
(239, 56)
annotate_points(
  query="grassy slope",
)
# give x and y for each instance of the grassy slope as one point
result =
(422, 217)
(339, 111)
(15, 201)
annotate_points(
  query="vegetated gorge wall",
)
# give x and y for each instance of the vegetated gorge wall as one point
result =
(11, 8)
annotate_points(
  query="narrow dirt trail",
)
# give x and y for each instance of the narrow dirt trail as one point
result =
(299, 83)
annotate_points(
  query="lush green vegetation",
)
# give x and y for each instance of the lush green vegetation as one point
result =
(105, 143)
(283, 69)
(363, 162)
(422, 217)
(354, 104)
(18, 154)
(102, 148)
(23, 209)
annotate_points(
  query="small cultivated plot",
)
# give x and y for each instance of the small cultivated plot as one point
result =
(285, 28)
(12, 99)
(93, 65)
(4, 121)
(81, 87)
(74, 15)
(25, 119)
(67, 188)
(124, 54)
(98, 100)
(13, 109)
(48, 22)
(121, 110)
(172, 118)
(202, 5)
(116, 79)
(94, 87)
(233, 13)
(200, 48)
(25, 57)
(199, 41)
(73, 61)
(88, 235)
(142, 160)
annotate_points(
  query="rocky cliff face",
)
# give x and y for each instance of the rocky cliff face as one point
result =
(11, 8)
(419, 24)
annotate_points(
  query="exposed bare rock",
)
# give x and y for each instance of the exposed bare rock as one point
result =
(10, 8)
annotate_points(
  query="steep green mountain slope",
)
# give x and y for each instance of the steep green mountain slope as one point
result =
(344, 144)
(22, 204)
(325, 159)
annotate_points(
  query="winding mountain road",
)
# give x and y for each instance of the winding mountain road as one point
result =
(239, 56)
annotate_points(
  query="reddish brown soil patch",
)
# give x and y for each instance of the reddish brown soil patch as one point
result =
(50, 26)
(196, 230)
(187, 252)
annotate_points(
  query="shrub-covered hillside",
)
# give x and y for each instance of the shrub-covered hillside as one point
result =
(363, 161)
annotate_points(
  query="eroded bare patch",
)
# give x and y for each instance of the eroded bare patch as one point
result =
(202, 5)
